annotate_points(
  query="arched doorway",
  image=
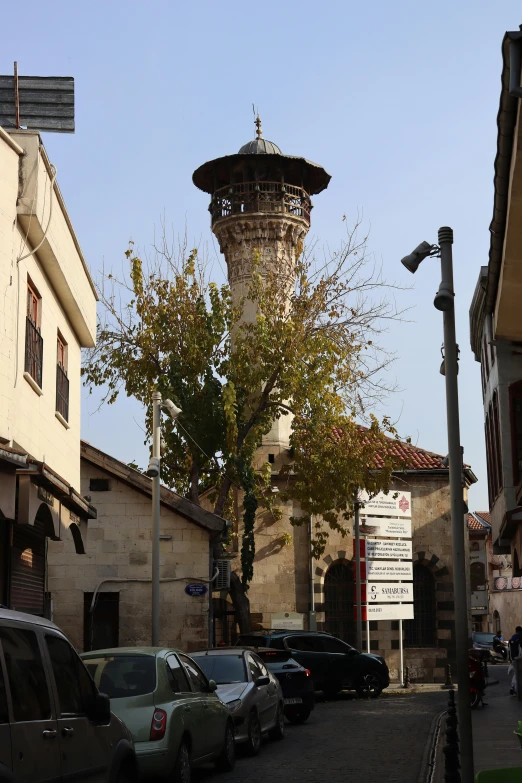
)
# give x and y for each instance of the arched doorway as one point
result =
(339, 601)
(422, 631)
(496, 622)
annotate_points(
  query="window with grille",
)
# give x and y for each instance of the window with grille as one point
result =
(493, 449)
(62, 381)
(515, 412)
(33, 337)
(339, 601)
(422, 630)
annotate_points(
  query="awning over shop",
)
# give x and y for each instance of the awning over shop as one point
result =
(10, 461)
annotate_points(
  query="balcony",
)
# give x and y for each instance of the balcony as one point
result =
(270, 197)
(33, 352)
(62, 392)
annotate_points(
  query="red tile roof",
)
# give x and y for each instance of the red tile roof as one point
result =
(476, 524)
(411, 457)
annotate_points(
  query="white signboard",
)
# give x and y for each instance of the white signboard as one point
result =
(375, 569)
(290, 621)
(381, 549)
(394, 504)
(389, 611)
(380, 526)
(386, 592)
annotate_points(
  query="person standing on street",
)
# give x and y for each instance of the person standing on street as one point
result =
(514, 652)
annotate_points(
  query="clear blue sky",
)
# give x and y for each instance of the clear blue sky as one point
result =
(397, 101)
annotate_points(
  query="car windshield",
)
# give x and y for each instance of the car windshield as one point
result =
(483, 638)
(123, 676)
(223, 669)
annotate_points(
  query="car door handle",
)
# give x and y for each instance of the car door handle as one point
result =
(49, 733)
(67, 732)
(187, 709)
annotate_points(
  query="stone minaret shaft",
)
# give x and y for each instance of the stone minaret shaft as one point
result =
(261, 203)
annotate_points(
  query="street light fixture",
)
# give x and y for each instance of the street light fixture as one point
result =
(154, 471)
(445, 301)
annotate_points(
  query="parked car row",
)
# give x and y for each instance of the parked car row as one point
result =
(124, 713)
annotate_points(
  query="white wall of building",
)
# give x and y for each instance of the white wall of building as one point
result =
(68, 304)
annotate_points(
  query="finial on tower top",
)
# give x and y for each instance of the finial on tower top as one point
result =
(259, 130)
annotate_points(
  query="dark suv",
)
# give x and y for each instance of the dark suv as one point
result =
(334, 664)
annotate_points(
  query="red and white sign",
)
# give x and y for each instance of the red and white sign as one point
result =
(386, 571)
(387, 592)
(385, 612)
(394, 504)
(381, 526)
(382, 549)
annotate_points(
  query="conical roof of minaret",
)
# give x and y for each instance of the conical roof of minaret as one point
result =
(216, 173)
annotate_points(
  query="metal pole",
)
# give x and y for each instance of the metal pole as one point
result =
(358, 576)
(211, 639)
(156, 509)
(457, 510)
(401, 656)
(312, 622)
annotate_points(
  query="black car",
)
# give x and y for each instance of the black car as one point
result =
(296, 683)
(335, 665)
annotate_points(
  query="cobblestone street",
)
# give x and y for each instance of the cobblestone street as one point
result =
(346, 740)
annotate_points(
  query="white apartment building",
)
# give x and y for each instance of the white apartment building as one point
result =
(47, 315)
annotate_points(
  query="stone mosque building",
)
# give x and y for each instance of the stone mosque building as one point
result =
(260, 200)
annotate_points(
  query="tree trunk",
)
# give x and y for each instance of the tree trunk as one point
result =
(241, 603)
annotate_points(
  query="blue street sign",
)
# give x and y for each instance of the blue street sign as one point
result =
(196, 591)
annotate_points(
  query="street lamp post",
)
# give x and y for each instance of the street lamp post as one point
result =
(154, 471)
(445, 301)
(358, 575)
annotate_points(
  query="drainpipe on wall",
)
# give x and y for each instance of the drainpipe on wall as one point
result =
(312, 622)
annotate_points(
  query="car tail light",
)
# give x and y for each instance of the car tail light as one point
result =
(308, 672)
(158, 725)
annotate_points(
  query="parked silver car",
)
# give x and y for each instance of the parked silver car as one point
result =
(252, 693)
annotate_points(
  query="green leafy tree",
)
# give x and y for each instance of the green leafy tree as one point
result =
(310, 353)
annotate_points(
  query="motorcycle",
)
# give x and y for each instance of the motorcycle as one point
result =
(499, 653)
(477, 677)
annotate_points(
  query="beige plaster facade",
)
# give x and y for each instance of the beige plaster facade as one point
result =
(58, 273)
(48, 314)
(119, 550)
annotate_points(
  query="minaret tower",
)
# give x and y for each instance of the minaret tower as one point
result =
(260, 201)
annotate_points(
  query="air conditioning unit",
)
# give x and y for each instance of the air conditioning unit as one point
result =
(222, 580)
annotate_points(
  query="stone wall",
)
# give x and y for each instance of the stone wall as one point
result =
(281, 575)
(119, 547)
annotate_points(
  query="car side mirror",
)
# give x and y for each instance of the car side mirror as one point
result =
(262, 681)
(100, 711)
(212, 686)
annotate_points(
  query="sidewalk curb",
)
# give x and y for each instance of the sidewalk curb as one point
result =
(429, 760)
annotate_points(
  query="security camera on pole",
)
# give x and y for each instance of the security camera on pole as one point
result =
(154, 471)
(444, 301)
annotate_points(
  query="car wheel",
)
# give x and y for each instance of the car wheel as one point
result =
(182, 768)
(369, 686)
(278, 732)
(254, 735)
(226, 760)
(297, 714)
(331, 691)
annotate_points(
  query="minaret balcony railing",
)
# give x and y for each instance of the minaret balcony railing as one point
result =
(270, 197)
